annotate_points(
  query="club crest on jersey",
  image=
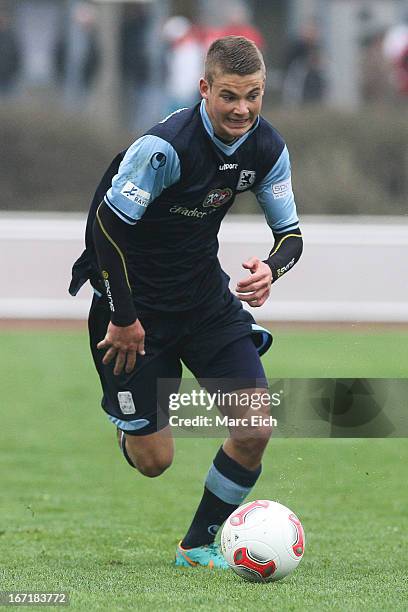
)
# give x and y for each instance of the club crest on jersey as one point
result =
(217, 197)
(246, 179)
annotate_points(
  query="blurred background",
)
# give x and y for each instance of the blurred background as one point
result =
(80, 80)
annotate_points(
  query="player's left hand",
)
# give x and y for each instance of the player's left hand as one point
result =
(255, 290)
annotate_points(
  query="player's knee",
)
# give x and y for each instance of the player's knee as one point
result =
(263, 434)
(262, 429)
(153, 467)
(152, 463)
(150, 457)
(254, 446)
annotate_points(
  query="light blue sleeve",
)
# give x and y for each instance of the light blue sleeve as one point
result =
(274, 194)
(150, 165)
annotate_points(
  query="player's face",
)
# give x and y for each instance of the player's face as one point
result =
(233, 102)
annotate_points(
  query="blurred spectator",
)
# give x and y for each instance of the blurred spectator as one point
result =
(304, 81)
(37, 26)
(401, 72)
(375, 85)
(134, 61)
(184, 63)
(77, 56)
(300, 47)
(395, 49)
(237, 22)
(10, 55)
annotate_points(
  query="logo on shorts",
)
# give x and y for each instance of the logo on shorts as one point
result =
(126, 403)
(217, 197)
(246, 179)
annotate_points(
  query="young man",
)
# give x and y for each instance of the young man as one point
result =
(161, 297)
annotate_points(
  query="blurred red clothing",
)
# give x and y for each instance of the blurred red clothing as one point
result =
(401, 72)
(246, 30)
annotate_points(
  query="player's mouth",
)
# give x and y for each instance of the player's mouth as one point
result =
(239, 123)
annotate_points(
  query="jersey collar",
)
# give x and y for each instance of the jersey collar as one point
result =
(225, 148)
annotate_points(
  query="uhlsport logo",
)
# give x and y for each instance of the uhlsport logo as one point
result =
(217, 197)
(228, 167)
(158, 160)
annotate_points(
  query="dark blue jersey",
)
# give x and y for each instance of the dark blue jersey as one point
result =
(172, 188)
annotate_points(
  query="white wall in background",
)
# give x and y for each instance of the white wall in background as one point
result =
(352, 269)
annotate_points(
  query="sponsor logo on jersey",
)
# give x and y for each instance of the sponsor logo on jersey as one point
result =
(158, 160)
(283, 189)
(246, 179)
(135, 194)
(188, 212)
(227, 166)
(217, 197)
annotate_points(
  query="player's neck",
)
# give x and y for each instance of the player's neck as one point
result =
(227, 142)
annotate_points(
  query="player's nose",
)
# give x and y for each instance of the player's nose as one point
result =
(241, 108)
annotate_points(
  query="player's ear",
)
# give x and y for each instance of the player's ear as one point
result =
(204, 88)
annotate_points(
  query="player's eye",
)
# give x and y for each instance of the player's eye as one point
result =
(227, 98)
(253, 97)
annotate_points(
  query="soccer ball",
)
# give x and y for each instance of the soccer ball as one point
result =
(263, 541)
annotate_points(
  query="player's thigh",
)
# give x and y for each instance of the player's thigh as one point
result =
(138, 402)
(236, 375)
(235, 367)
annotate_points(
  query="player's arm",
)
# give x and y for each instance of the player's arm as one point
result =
(149, 166)
(110, 245)
(285, 252)
(124, 338)
(276, 198)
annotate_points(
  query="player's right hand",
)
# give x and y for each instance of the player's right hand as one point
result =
(123, 344)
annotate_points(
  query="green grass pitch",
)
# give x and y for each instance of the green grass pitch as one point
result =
(75, 517)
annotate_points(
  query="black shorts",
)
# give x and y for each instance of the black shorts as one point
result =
(213, 343)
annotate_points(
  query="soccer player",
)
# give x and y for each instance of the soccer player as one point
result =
(161, 297)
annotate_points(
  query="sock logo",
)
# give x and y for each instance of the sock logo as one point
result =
(213, 529)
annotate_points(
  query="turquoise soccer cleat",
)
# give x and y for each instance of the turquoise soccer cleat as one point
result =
(206, 556)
